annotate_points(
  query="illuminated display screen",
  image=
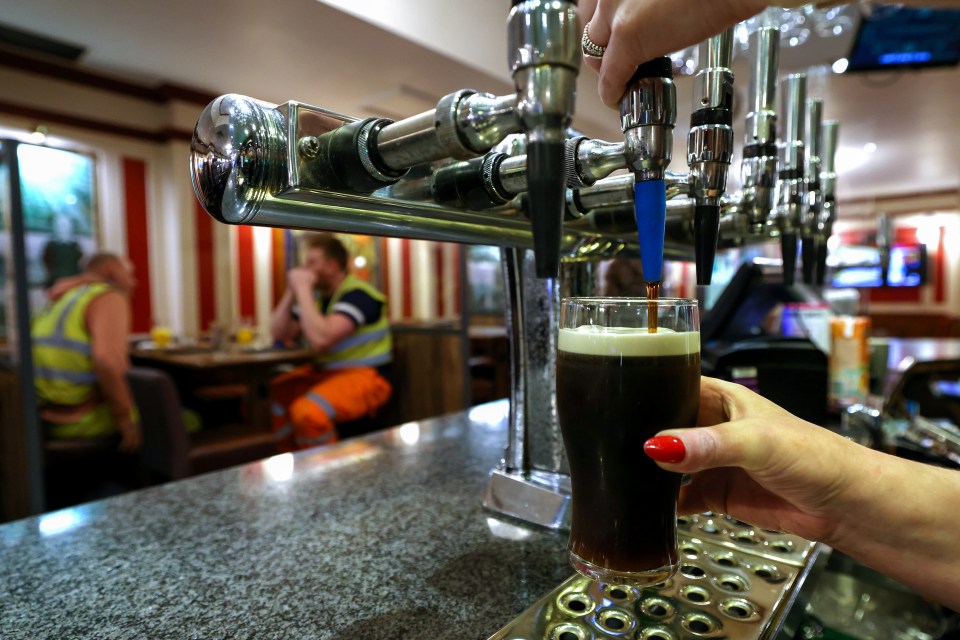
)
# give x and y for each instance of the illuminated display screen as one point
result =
(906, 37)
(860, 267)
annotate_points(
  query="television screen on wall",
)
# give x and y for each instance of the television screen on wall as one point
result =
(860, 267)
(897, 37)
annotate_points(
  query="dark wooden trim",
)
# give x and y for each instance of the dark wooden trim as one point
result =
(160, 94)
(143, 135)
(170, 133)
(180, 93)
(894, 197)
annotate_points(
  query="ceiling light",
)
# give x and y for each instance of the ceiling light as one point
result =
(840, 65)
(38, 135)
(850, 159)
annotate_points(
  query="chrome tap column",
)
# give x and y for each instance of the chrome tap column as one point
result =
(810, 214)
(710, 145)
(792, 196)
(828, 191)
(758, 170)
(544, 55)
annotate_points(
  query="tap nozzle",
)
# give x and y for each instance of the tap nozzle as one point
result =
(792, 188)
(544, 54)
(758, 170)
(710, 146)
(648, 113)
(828, 191)
(810, 212)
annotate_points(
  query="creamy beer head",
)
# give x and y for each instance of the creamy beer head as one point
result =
(593, 340)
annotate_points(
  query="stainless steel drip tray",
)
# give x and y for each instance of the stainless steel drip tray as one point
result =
(735, 582)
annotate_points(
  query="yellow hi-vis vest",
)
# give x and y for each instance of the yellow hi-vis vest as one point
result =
(62, 360)
(371, 345)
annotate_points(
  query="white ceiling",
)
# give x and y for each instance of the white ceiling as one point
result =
(411, 52)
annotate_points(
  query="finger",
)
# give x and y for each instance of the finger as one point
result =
(586, 9)
(712, 403)
(599, 22)
(594, 25)
(722, 401)
(626, 49)
(740, 444)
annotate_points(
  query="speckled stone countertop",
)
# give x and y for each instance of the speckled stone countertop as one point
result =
(382, 537)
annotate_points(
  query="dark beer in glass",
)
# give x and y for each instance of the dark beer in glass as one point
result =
(618, 384)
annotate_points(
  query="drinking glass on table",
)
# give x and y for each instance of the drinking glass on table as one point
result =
(246, 333)
(161, 335)
(619, 382)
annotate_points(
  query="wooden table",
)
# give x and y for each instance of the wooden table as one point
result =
(195, 368)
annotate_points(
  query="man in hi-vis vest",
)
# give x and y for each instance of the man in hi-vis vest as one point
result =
(345, 321)
(80, 354)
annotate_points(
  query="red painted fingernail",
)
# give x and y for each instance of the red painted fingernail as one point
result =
(665, 449)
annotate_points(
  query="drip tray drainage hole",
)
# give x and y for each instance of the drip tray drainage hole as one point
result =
(700, 624)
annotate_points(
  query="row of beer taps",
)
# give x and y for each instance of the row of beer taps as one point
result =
(561, 184)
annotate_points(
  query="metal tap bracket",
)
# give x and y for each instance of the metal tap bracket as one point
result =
(735, 581)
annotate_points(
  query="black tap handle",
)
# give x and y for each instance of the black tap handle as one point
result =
(706, 233)
(821, 274)
(788, 249)
(546, 199)
(808, 256)
(657, 68)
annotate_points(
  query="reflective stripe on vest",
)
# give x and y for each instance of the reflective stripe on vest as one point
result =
(62, 350)
(371, 345)
(323, 403)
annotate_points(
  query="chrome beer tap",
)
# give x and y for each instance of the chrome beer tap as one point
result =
(792, 190)
(758, 170)
(544, 54)
(828, 187)
(710, 146)
(365, 155)
(810, 214)
(648, 113)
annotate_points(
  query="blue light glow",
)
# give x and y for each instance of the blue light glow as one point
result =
(906, 57)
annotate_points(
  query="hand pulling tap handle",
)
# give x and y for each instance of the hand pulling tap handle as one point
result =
(810, 213)
(828, 186)
(759, 167)
(792, 189)
(710, 145)
(544, 55)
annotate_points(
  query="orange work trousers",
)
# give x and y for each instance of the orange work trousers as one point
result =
(308, 402)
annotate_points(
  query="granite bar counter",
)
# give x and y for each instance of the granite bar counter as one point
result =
(381, 537)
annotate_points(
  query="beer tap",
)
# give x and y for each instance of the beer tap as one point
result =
(810, 214)
(884, 243)
(792, 189)
(365, 155)
(828, 186)
(710, 146)
(758, 170)
(544, 54)
(648, 113)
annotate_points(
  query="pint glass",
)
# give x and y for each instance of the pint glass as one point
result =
(619, 382)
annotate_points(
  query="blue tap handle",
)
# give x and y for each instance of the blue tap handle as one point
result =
(650, 206)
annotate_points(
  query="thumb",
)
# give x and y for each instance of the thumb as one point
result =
(724, 445)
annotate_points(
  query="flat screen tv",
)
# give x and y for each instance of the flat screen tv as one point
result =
(855, 266)
(897, 37)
